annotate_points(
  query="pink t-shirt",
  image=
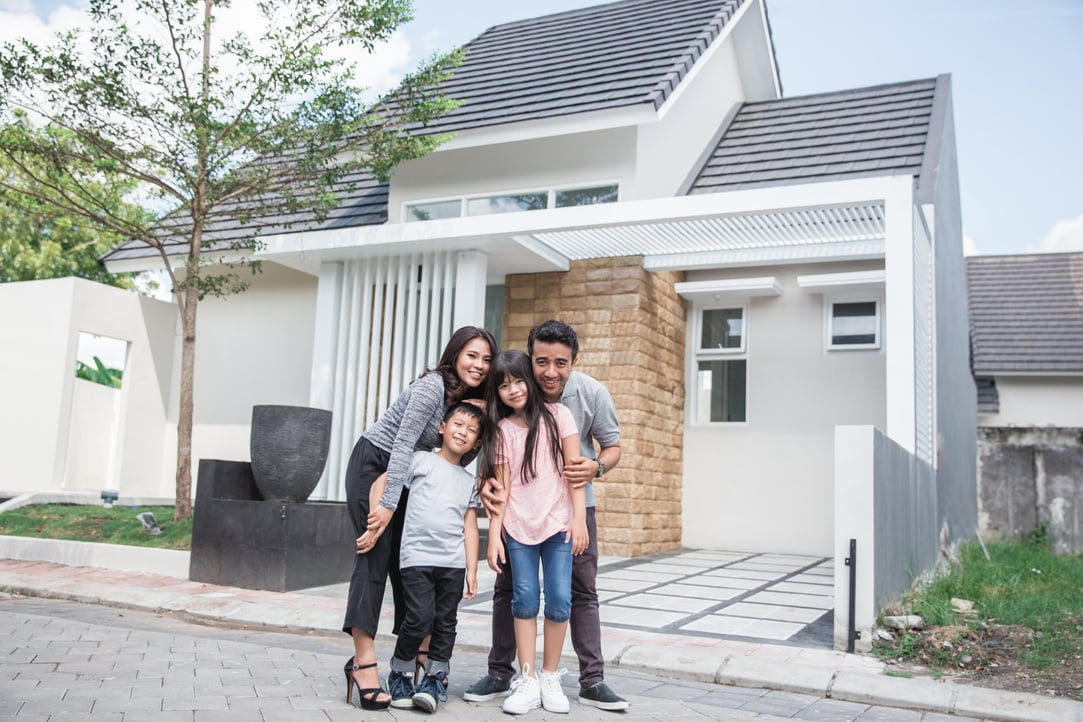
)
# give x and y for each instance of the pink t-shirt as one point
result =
(542, 507)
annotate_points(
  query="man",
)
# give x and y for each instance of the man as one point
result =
(554, 349)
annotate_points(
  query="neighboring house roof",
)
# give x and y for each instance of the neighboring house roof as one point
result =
(1026, 313)
(628, 53)
(874, 131)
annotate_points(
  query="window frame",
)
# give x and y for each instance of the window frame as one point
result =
(700, 354)
(829, 302)
(550, 193)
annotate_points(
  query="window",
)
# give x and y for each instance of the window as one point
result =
(721, 366)
(434, 211)
(853, 325)
(510, 202)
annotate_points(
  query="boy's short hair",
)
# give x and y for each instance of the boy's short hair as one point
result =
(471, 410)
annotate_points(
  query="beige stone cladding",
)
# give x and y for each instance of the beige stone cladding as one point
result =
(631, 328)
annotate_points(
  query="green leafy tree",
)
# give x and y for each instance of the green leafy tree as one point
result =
(219, 133)
(40, 239)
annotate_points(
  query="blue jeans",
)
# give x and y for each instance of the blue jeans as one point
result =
(555, 556)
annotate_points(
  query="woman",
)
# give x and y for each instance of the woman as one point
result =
(411, 423)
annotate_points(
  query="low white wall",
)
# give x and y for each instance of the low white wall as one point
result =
(166, 562)
(885, 500)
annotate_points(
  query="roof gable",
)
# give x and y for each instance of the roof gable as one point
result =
(874, 131)
(1026, 313)
(628, 53)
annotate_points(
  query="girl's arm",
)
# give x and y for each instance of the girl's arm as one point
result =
(496, 523)
(577, 530)
(471, 539)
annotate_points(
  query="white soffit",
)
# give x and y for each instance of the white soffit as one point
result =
(854, 281)
(727, 289)
(861, 224)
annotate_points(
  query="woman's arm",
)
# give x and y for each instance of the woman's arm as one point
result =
(496, 523)
(366, 540)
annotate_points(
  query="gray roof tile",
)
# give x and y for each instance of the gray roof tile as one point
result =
(853, 133)
(1026, 313)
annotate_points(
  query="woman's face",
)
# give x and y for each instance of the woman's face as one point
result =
(473, 363)
(513, 393)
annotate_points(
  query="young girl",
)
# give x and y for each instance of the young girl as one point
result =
(541, 518)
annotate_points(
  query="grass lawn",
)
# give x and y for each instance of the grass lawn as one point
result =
(95, 523)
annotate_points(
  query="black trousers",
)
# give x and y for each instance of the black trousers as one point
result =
(371, 570)
(432, 607)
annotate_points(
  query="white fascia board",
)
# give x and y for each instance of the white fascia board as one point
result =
(776, 256)
(731, 288)
(462, 232)
(154, 263)
(1030, 374)
(703, 60)
(853, 281)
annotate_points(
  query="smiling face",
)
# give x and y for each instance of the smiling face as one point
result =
(472, 365)
(514, 393)
(460, 432)
(553, 364)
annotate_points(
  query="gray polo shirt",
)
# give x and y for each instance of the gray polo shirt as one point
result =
(595, 416)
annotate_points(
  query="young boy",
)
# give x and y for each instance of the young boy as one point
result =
(439, 552)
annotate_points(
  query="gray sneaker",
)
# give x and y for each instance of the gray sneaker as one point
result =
(602, 697)
(488, 688)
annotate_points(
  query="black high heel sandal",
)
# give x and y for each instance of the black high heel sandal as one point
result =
(365, 695)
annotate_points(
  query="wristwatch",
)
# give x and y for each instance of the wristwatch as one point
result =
(601, 468)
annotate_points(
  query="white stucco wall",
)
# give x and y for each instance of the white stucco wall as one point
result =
(252, 348)
(672, 148)
(766, 485)
(1037, 401)
(40, 323)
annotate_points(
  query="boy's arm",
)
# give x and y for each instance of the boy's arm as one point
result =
(577, 530)
(471, 539)
(376, 491)
(495, 553)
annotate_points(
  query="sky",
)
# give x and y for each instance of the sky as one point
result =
(1016, 71)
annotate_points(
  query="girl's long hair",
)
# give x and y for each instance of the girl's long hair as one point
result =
(516, 364)
(454, 388)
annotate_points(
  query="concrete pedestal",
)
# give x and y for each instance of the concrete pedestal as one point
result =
(240, 540)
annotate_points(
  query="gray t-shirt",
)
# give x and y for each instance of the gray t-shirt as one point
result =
(595, 417)
(440, 494)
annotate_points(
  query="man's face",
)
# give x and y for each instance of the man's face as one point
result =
(553, 365)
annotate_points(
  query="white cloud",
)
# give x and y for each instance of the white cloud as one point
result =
(1065, 235)
(18, 20)
(970, 248)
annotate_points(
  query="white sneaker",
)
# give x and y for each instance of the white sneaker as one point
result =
(552, 696)
(525, 695)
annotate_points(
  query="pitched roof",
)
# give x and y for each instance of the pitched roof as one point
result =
(633, 52)
(1026, 313)
(864, 132)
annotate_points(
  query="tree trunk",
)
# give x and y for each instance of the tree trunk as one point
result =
(183, 507)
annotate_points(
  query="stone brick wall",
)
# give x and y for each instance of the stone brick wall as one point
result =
(631, 328)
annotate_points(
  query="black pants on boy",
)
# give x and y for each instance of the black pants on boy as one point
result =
(432, 596)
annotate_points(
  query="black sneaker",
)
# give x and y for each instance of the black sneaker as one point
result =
(431, 691)
(488, 688)
(401, 689)
(602, 697)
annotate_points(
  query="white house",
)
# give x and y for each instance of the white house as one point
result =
(759, 280)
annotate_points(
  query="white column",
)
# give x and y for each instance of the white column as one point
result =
(855, 469)
(899, 316)
(321, 388)
(471, 267)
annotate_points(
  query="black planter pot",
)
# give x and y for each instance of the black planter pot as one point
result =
(289, 450)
